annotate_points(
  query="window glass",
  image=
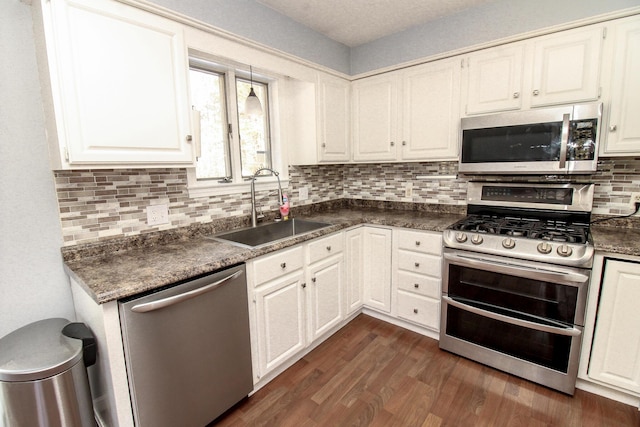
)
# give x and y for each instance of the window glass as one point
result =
(208, 97)
(255, 147)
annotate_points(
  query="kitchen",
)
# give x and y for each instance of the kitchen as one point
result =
(32, 229)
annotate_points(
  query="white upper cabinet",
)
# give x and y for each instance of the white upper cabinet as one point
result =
(334, 119)
(375, 118)
(622, 136)
(556, 69)
(431, 111)
(115, 85)
(494, 79)
(566, 67)
(411, 114)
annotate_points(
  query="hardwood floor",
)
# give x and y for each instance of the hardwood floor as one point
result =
(371, 373)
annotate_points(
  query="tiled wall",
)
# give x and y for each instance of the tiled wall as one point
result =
(99, 204)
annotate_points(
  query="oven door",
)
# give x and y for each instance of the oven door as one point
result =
(522, 317)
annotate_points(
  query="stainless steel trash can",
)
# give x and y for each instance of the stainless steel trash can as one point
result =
(43, 378)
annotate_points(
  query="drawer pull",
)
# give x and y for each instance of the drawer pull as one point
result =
(313, 279)
(304, 285)
(417, 242)
(417, 264)
(415, 285)
(329, 248)
(415, 311)
(283, 265)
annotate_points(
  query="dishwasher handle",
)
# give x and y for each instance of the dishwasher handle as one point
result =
(169, 301)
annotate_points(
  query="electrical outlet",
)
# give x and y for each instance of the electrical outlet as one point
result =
(303, 193)
(635, 198)
(408, 189)
(157, 214)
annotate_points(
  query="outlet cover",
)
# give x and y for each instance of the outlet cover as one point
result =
(408, 189)
(303, 193)
(157, 214)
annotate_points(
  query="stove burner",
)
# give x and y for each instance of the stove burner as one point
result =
(541, 229)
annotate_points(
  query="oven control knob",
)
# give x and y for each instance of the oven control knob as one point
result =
(509, 243)
(461, 237)
(476, 239)
(564, 250)
(544, 248)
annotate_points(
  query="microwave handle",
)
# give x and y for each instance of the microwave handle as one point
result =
(564, 141)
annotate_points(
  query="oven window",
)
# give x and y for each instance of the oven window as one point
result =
(542, 348)
(535, 298)
(522, 143)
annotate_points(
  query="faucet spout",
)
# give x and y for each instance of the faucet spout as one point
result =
(254, 213)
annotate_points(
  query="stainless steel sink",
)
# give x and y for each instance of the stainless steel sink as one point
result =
(268, 233)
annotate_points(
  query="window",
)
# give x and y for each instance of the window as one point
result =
(233, 144)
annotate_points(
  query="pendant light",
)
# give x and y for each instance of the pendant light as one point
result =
(252, 105)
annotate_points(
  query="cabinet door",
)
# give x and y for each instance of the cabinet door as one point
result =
(494, 79)
(623, 133)
(567, 67)
(354, 252)
(325, 295)
(280, 313)
(375, 117)
(334, 119)
(615, 355)
(431, 111)
(377, 268)
(119, 84)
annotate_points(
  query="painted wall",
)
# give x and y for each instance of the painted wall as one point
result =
(491, 21)
(33, 285)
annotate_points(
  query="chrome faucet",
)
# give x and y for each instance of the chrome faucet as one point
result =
(254, 213)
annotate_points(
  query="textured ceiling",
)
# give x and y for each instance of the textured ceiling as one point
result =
(355, 22)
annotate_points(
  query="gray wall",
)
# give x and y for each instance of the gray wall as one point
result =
(33, 285)
(495, 20)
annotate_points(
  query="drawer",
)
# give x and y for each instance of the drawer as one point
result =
(418, 309)
(274, 265)
(419, 241)
(325, 247)
(419, 284)
(414, 262)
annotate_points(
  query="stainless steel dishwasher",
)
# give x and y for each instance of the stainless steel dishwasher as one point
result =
(187, 350)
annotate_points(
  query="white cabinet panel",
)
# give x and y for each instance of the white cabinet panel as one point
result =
(280, 313)
(431, 111)
(375, 118)
(495, 79)
(354, 258)
(615, 354)
(566, 67)
(117, 77)
(325, 291)
(623, 133)
(377, 268)
(334, 119)
(418, 309)
(277, 264)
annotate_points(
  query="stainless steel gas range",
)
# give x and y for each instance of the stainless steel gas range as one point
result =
(515, 279)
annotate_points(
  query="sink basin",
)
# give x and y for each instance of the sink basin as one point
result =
(268, 233)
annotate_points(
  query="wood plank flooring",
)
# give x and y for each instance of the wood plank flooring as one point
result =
(372, 373)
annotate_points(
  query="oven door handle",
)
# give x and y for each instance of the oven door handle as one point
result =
(553, 276)
(573, 332)
(564, 141)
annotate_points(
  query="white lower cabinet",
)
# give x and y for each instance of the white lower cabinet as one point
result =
(376, 276)
(354, 258)
(298, 295)
(615, 351)
(417, 265)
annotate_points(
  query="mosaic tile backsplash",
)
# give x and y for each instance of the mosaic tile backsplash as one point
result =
(100, 204)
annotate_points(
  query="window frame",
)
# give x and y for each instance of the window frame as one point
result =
(238, 184)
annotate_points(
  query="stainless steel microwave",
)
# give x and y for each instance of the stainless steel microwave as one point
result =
(558, 140)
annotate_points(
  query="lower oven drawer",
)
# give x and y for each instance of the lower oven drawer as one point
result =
(418, 309)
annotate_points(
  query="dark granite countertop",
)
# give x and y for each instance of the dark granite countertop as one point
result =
(112, 271)
(617, 240)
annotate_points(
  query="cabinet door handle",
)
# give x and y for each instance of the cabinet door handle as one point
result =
(415, 285)
(393, 143)
(404, 142)
(324, 145)
(283, 265)
(613, 128)
(536, 92)
(516, 95)
(417, 264)
(417, 242)
(415, 310)
(313, 279)
(304, 285)
(329, 248)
